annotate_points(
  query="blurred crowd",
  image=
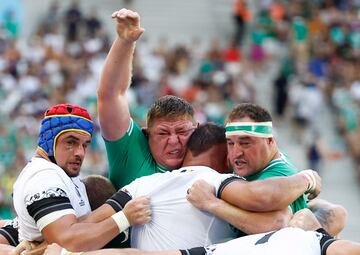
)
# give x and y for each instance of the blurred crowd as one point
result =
(315, 44)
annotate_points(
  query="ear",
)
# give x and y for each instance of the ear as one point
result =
(145, 131)
(271, 140)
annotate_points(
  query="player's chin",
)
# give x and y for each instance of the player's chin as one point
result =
(173, 163)
(73, 171)
(241, 171)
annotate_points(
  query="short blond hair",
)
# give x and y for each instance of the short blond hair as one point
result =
(169, 107)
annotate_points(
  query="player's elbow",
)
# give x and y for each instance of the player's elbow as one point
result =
(340, 214)
(279, 219)
(282, 219)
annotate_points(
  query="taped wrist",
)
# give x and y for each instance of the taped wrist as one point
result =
(310, 177)
(194, 251)
(325, 240)
(121, 221)
(118, 200)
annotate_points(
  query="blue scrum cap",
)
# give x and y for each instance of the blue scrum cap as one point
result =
(59, 119)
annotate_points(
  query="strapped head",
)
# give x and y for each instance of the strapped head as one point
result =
(254, 129)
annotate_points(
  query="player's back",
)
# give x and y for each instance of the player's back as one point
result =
(175, 223)
(294, 241)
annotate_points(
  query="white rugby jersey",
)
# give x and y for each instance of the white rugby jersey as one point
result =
(294, 241)
(43, 193)
(175, 223)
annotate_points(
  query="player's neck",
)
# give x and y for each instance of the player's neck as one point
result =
(199, 160)
(213, 157)
(194, 161)
(275, 155)
(40, 154)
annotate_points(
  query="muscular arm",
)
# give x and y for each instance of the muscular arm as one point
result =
(202, 196)
(265, 195)
(306, 220)
(250, 222)
(131, 252)
(55, 249)
(76, 236)
(6, 249)
(100, 214)
(343, 247)
(97, 229)
(113, 108)
(134, 209)
(332, 217)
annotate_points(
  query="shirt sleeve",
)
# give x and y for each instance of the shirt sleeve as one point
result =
(229, 178)
(131, 189)
(10, 232)
(127, 155)
(47, 201)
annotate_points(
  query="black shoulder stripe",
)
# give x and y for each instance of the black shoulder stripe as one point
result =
(325, 240)
(45, 206)
(119, 200)
(226, 182)
(11, 234)
(194, 251)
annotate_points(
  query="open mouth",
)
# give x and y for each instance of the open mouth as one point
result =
(75, 164)
(175, 153)
(239, 162)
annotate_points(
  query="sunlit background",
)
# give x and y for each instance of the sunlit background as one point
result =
(299, 59)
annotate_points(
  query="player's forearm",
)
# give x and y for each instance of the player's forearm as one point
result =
(279, 192)
(100, 214)
(265, 195)
(116, 73)
(115, 252)
(250, 222)
(6, 249)
(130, 252)
(87, 236)
(343, 247)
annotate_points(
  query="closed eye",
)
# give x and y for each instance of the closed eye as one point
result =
(230, 143)
(162, 133)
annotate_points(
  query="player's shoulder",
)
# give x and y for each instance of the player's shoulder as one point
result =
(37, 168)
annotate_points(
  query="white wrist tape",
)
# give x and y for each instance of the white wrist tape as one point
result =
(309, 175)
(66, 252)
(121, 221)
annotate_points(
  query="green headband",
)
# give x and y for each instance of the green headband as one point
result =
(255, 129)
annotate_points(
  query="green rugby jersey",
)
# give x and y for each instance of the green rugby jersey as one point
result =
(280, 167)
(130, 157)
